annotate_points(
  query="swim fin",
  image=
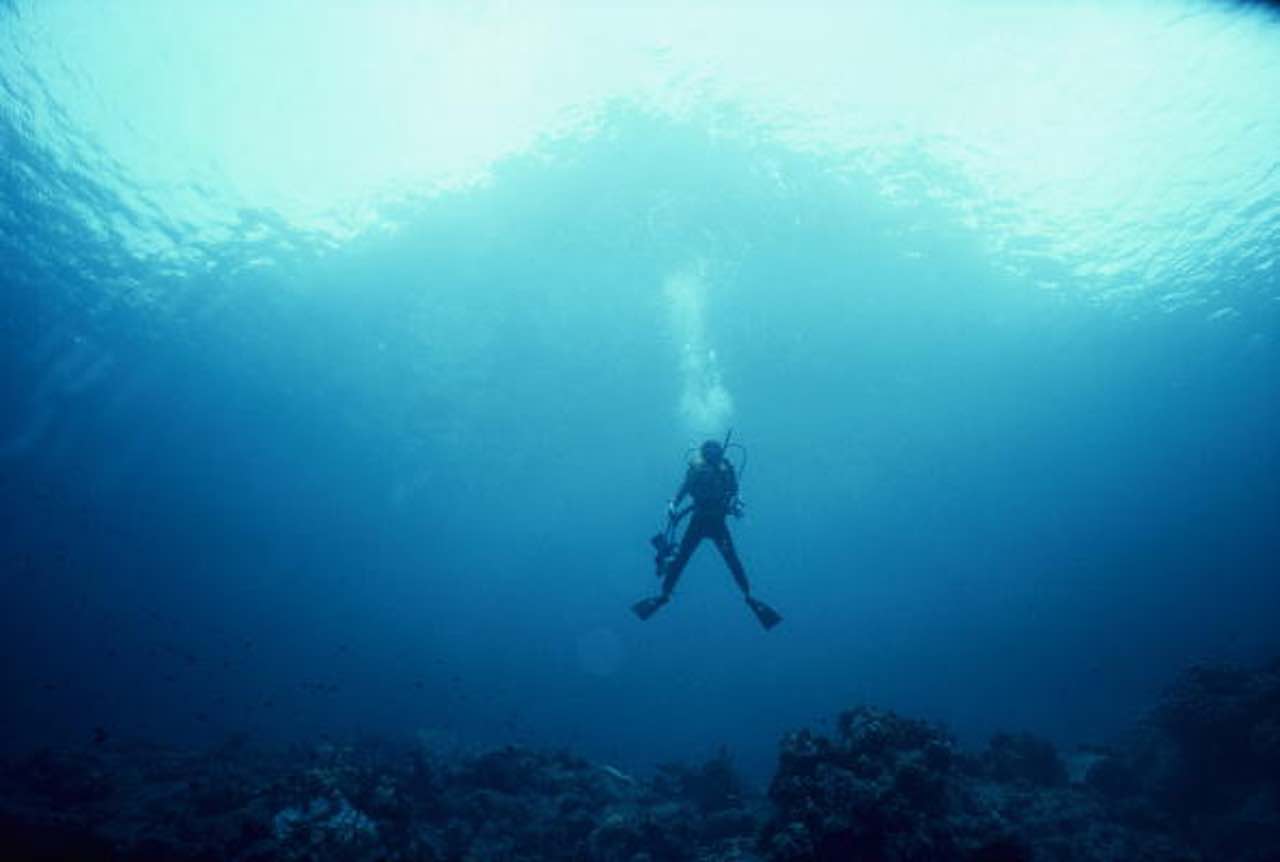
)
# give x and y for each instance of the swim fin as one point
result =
(767, 616)
(646, 608)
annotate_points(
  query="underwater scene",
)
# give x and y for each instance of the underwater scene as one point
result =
(642, 431)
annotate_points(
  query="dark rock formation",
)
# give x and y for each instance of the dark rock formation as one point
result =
(365, 802)
(890, 788)
(1208, 758)
(1199, 781)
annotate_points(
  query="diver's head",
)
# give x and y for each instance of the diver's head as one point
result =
(712, 452)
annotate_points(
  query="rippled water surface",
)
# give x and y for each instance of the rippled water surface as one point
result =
(351, 352)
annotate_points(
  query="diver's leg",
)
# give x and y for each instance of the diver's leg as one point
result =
(693, 534)
(724, 542)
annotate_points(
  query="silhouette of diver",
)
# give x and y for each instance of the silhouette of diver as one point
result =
(712, 482)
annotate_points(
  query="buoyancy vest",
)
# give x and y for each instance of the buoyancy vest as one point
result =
(712, 487)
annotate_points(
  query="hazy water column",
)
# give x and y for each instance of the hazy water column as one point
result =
(705, 404)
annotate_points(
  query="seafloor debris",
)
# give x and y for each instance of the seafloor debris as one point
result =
(1198, 781)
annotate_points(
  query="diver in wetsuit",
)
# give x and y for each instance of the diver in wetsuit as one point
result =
(713, 484)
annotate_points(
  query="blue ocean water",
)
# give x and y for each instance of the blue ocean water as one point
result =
(350, 357)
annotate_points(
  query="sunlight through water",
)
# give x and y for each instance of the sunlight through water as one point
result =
(1131, 144)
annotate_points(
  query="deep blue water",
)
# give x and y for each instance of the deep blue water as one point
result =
(299, 460)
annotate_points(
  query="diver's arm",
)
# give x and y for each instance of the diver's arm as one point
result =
(681, 493)
(734, 502)
(733, 483)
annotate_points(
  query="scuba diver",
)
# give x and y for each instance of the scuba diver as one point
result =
(712, 482)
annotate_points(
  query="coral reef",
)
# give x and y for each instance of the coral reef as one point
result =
(891, 788)
(367, 802)
(1198, 780)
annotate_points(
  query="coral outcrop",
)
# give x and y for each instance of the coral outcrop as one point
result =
(884, 787)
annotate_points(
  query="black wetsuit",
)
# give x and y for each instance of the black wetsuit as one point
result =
(714, 489)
